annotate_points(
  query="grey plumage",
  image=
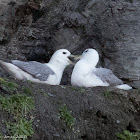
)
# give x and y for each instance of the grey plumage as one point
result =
(36, 69)
(107, 75)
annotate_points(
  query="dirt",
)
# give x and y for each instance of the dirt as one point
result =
(100, 112)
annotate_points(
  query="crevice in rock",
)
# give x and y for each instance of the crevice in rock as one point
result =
(102, 117)
(84, 137)
(131, 127)
(37, 14)
(12, 3)
(3, 42)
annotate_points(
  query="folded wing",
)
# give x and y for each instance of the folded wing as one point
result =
(36, 69)
(107, 75)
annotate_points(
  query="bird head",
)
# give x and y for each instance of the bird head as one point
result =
(63, 56)
(91, 56)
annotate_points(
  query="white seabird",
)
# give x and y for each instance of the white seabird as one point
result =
(85, 73)
(48, 73)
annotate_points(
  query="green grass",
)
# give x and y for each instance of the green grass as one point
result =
(1, 137)
(17, 104)
(21, 128)
(44, 94)
(127, 135)
(78, 89)
(107, 94)
(7, 85)
(27, 91)
(66, 116)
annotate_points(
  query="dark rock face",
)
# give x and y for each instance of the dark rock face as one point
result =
(120, 34)
(33, 30)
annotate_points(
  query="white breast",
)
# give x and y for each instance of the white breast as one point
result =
(83, 76)
(56, 78)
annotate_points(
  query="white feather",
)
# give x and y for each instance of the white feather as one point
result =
(124, 87)
(57, 63)
(86, 74)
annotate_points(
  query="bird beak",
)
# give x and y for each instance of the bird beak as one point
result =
(77, 57)
(73, 58)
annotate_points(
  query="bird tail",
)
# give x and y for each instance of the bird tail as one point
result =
(7, 67)
(124, 87)
(2, 64)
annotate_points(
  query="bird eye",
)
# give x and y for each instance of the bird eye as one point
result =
(86, 50)
(64, 53)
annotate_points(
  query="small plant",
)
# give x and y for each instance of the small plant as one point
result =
(21, 128)
(107, 94)
(44, 94)
(127, 135)
(78, 89)
(18, 104)
(8, 86)
(66, 116)
(1, 137)
(27, 91)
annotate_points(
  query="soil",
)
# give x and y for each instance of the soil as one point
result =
(100, 112)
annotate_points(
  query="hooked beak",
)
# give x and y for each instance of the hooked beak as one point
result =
(73, 58)
(77, 57)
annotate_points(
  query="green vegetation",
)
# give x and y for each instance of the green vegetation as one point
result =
(20, 106)
(17, 104)
(66, 116)
(127, 135)
(1, 137)
(44, 94)
(21, 128)
(107, 94)
(7, 85)
(27, 91)
(78, 89)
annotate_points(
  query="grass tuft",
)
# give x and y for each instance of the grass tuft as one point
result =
(78, 89)
(127, 135)
(44, 94)
(66, 116)
(17, 104)
(1, 136)
(7, 85)
(27, 91)
(107, 94)
(21, 128)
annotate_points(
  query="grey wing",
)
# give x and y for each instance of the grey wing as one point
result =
(36, 69)
(107, 75)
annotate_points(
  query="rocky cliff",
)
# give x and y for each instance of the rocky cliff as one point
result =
(34, 29)
(68, 113)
